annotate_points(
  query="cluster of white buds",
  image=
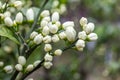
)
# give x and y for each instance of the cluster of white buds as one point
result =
(85, 35)
(59, 7)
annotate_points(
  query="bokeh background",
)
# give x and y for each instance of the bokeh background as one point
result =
(100, 60)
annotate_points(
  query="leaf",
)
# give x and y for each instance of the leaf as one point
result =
(5, 32)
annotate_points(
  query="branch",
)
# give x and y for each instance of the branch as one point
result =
(40, 64)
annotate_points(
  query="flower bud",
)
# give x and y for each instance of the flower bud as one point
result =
(55, 3)
(89, 28)
(44, 23)
(18, 4)
(58, 23)
(47, 39)
(33, 34)
(8, 21)
(70, 34)
(1, 64)
(45, 30)
(82, 35)
(19, 67)
(55, 38)
(48, 47)
(48, 57)
(92, 36)
(29, 68)
(19, 18)
(62, 8)
(7, 49)
(55, 17)
(58, 52)
(80, 44)
(36, 63)
(7, 14)
(22, 60)
(62, 35)
(38, 39)
(30, 15)
(46, 18)
(68, 24)
(53, 28)
(8, 69)
(83, 21)
(47, 65)
(45, 13)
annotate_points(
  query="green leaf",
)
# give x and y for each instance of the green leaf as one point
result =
(5, 32)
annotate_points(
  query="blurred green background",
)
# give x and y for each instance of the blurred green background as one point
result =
(100, 60)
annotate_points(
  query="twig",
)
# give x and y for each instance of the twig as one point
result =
(40, 64)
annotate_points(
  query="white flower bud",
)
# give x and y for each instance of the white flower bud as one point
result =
(53, 28)
(44, 23)
(47, 39)
(8, 21)
(1, 64)
(29, 68)
(7, 14)
(70, 34)
(1, 16)
(48, 47)
(38, 39)
(62, 35)
(19, 18)
(36, 63)
(58, 52)
(7, 49)
(58, 23)
(45, 30)
(82, 35)
(55, 38)
(80, 44)
(48, 57)
(22, 60)
(80, 49)
(18, 67)
(33, 34)
(83, 21)
(89, 28)
(30, 15)
(47, 65)
(45, 13)
(55, 17)
(62, 8)
(55, 3)
(92, 36)
(8, 69)
(18, 4)
(68, 24)
(46, 18)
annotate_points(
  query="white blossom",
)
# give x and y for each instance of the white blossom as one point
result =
(47, 65)
(89, 28)
(70, 34)
(45, 13)
(46, 18)
(82, 35)
(38, 39)
(22, 60)
(8, 21)
(8, 69)
(19, 67)
(36, 63)
(33, 34)
(55, 17)
(30, 15)
(45, 30)
(92, 36)
(19, 18)
(1, 63)
(80, 44)
(62, 35)
(58, 23)
(83, 21)
(44, 23)
(7, 14)
(48, 47)
(55, 38)
(47, 39)
(68, 24)
(18, 4)
(29, 68)
(48, 57)
(53, 28)
(58, 52)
